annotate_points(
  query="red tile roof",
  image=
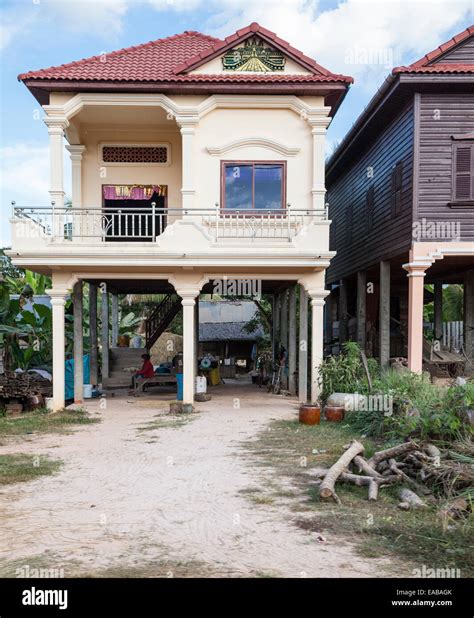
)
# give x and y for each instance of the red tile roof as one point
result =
(167, 60)
(425, 64)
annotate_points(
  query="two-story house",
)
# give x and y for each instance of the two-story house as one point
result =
(194, 159)
(401, 200)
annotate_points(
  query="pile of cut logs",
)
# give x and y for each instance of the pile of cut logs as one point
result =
(21, 387)
(407, 464)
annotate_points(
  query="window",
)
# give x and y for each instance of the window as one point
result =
(397, 181)
(369, 202)
(253, 186)
(463, 171)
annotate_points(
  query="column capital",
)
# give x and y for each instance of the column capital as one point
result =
(75, 151)
(317, 297)
(187, 124)
(416, 269)
(56, 124)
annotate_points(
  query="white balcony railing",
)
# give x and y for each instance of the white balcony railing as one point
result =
(112, 224)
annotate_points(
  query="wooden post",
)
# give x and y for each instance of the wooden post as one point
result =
(303, 347)
(469, 316)
(343, 334)
(105, 332)
(94, 371)
(361, 308)
(115, 320)
(384, 315)
(284, 332)
(438, 310)
(78, 343)
(292, 342)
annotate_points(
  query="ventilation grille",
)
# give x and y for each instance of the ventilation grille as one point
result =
(135, 154)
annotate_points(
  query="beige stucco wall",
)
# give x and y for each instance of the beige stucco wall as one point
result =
(95, 174)
(223, 126)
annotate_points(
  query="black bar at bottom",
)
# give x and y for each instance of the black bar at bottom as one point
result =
(239, 598)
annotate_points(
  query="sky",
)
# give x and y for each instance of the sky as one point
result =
(362, 38)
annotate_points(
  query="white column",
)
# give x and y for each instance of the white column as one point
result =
(56, 128)
(317, 345)
(188, 189)
(303, 348)
(78, 344)
(58, 302)
(188, 301)
(76, 152)
(318, 189)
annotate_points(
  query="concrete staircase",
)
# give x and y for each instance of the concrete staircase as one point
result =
(120, 358)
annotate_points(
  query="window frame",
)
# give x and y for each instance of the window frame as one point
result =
(252, 212)
(462, 141)
(112, 144)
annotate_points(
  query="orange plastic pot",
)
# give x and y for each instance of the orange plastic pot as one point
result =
(310, 414)
(334, 414)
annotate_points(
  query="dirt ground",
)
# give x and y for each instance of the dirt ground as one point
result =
(141, 494)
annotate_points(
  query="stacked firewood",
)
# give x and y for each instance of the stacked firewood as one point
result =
(416, 468)
(23, 385)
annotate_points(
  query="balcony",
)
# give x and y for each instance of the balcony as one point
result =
(98, 225)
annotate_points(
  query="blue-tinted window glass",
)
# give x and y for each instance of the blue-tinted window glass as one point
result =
(268, 187)
(238, 186)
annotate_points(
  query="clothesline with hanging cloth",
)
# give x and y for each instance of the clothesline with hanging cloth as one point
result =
(133, 192)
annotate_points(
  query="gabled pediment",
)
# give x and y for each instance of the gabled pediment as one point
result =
(252, 50)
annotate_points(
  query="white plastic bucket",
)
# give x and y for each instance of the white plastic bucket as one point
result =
(201, 384)
(87, 391)
(48, 403)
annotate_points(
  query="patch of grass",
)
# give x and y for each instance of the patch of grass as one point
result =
(43, 421)
(377, 528)
(19, 468)
(168, 421)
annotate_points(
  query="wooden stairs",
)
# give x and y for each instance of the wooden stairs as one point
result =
(161, 317)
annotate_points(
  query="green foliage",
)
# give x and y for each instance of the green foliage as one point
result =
(417, 408)
(344, 373)
(452, 304)
(129, 324)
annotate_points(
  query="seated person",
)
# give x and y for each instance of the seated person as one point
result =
(147, 370)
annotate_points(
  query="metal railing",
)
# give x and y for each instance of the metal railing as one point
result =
(115, 224)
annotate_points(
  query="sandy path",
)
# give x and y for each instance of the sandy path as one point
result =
(124, 496)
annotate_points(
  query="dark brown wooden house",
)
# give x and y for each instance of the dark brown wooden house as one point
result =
(401, 201)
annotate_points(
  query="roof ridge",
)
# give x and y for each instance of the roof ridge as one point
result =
(246, 32)
(118, 52)
(438, 51)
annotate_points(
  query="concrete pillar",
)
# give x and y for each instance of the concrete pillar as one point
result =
(196, 333)
(438, 310)
(317, 317)
(56, 126)
(318, 190)
(384, 315)
(292, 342)
(361, 308)
(284, 332)
(76, 152)
(114, 320)
(469, 317)
(188, 188)
(343, 318)
(188, 301)
(58, 302)
(303, 347)
(77, 300)
(94, 371)
(416, 274)
(105, 331)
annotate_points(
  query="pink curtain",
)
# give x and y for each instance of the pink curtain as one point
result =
(132, 192)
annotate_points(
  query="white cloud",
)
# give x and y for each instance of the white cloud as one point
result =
(24, 179)
(103, 17)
